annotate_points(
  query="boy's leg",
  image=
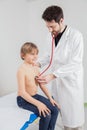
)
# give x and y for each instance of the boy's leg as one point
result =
(54, 112)
(22, 103)
(77, 128)
(44, 121)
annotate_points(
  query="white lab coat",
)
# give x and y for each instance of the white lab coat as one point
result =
(67, 88)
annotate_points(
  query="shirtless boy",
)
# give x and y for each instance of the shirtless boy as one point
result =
(28, 98)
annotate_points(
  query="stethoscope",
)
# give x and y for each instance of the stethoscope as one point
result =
(51, 57)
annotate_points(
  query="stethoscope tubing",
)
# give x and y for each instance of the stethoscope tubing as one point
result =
(51, 58)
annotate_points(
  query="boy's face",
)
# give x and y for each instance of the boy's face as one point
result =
(31, 57)
(54, 27)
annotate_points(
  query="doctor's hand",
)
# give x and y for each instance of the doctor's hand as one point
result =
(45, 79)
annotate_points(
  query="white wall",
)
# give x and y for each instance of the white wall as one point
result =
(20, 21)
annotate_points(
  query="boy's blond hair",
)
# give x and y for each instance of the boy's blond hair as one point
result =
(27, 47)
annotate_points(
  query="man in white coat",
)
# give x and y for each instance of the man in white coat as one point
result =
(67, 68)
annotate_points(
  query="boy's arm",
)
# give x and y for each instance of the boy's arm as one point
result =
(47, 93)
(45, 90)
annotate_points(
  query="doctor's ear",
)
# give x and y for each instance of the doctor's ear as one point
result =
(61, 20)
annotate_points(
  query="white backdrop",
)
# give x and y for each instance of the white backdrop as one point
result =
(20, 21)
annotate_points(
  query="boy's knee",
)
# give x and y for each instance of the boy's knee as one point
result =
(47, 117)
(56, 110)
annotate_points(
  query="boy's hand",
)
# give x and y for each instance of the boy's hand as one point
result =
(43, 109)
(54, 103)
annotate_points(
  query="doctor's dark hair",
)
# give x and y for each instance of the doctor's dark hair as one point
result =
(27, 48)
(53, 13)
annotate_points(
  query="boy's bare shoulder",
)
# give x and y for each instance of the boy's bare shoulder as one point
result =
(37, 67)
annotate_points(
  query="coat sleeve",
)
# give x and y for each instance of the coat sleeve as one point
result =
(75, 62)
